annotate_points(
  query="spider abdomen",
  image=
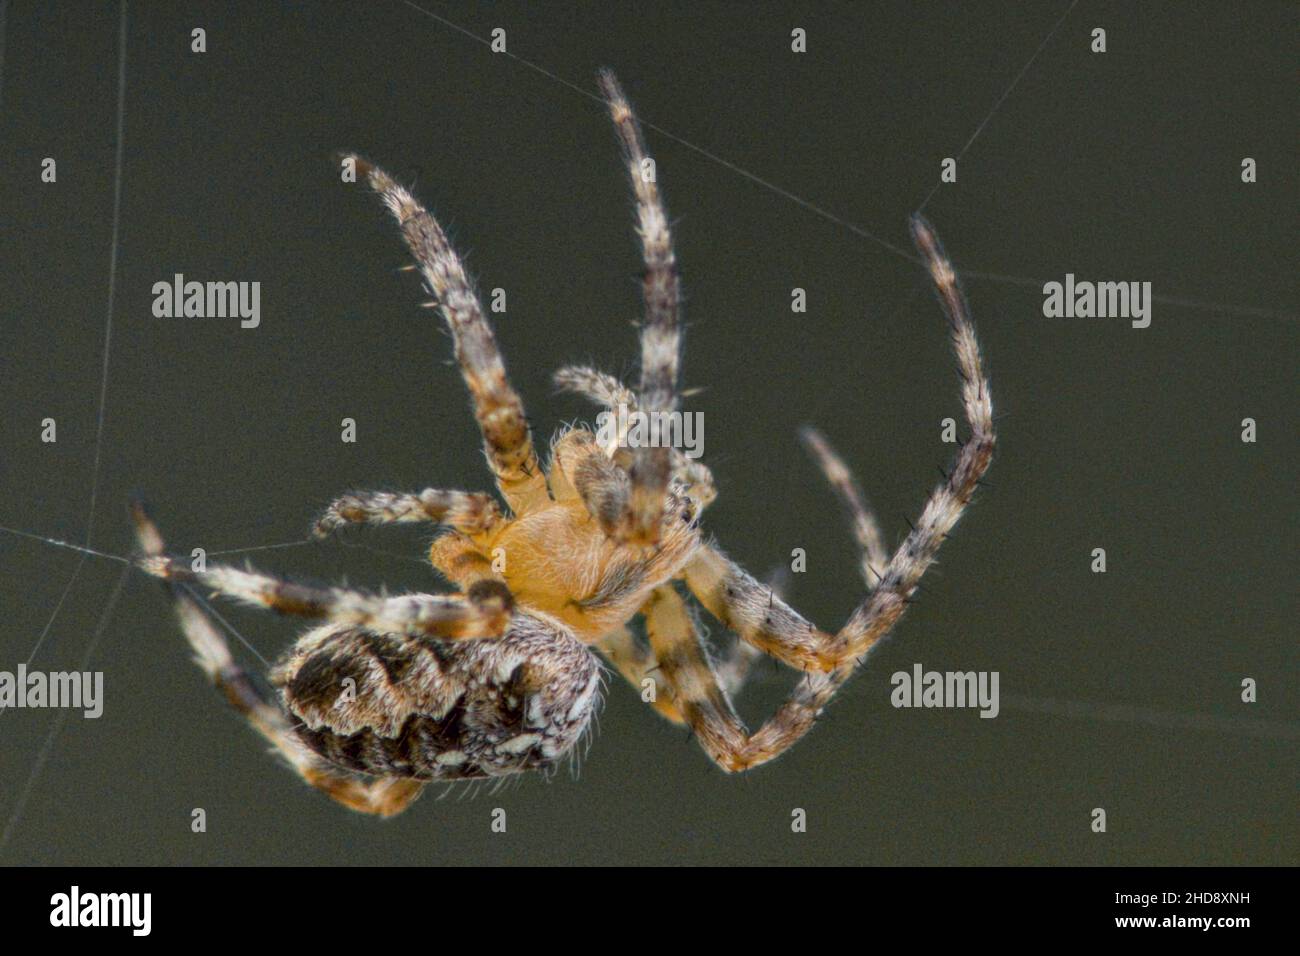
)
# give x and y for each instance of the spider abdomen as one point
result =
(396, 706)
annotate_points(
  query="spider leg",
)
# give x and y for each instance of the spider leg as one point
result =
(705, 703)
(636, 662)
(383, 797)
(482, 612)
(865, 528)
(468, 513)
(601, 387)
(768, 623)
(497, 407)
(660, 332)
(756, 612)
(876, 615)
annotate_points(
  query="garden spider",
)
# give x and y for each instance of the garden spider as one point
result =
(393, 692)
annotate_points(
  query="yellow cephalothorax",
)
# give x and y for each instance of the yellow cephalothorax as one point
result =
(565, 556)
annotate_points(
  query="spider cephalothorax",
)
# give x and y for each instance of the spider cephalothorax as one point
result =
(499, 677)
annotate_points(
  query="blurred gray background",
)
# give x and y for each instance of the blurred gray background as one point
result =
(1122, 166)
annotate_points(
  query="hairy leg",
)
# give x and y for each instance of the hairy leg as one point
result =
(383, 797)
(706, 705)
(469, 513)
(636, 661)
(497, 407)
(875, 616)
(660, 332)
(483, 611)
(601, 388)
(768, 623)
(756, 612)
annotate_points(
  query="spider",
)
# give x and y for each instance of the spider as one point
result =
(393, 692)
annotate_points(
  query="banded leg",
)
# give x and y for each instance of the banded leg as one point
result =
(383, 797)
(706, 705)
(469, 513)
(497, 407)
(768, 623)
(756, 612)
(660, 332)
(636, 662)
(483, 611)
(601, 388)
(876, 616)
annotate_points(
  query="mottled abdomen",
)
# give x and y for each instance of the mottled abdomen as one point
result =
(439, 710)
